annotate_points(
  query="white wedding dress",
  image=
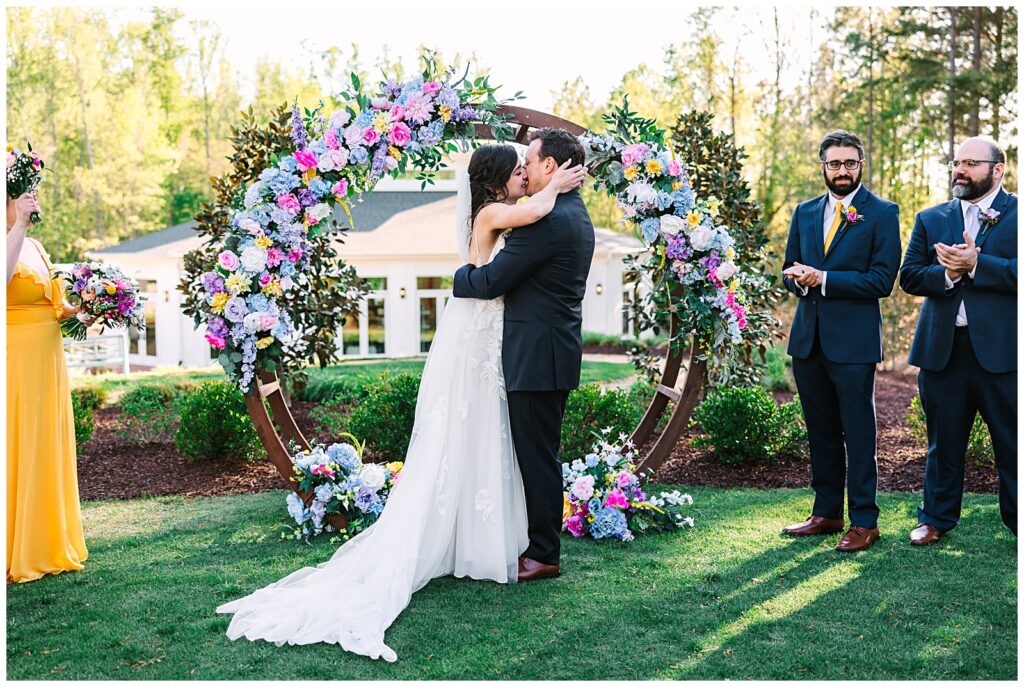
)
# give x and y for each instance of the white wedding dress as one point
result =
(458, 509)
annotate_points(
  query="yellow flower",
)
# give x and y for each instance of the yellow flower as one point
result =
(733, 285)
(631, 173)
(237, 283)
(263, 241)
(381, 121)
(395, 467)
(693, 219)
(676, 185)
(394, 152)
(273, 289)
(217, 304)
(730, 253)
(653, 167)
(309, 175)
(111, 289)
(264, 342)
(566, 507)
(852, 210)
(446, 113)
(713, 206)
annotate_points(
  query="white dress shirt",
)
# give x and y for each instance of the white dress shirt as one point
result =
(972, 224)
(830, 215)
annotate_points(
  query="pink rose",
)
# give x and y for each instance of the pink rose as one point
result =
(304, 159)
(616, 499)
(289, 203)
(331, 139)
(370, 136)
(268, 321)
(274, 256)
(400, 134)
(623, 479)
(217, 342)
(340, 188)
(228, 261)
(380, 103)
(295, 255)
(431, 88)
(338, 158)
(265, 278)
(397, 113)
(674, 168)
(575, 525)
(353, 136)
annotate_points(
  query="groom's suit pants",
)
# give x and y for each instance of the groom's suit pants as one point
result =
(536, 419)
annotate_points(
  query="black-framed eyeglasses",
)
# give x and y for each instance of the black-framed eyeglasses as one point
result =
(969, 164)
(849, 164)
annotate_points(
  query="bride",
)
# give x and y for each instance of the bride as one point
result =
(459, 508)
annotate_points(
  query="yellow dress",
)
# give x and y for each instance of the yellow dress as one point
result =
(44, 518)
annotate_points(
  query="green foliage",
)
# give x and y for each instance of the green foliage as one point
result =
(979, 445)
(218, 424)
(589, 409)
(744, 423)
(148, 414)
(384, 419)
(775, 369)
(323, 388)
(84, 402)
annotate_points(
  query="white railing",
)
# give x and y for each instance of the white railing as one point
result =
(105, 350)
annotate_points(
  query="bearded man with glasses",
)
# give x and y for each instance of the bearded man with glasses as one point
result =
(841, 258)
(962, 257)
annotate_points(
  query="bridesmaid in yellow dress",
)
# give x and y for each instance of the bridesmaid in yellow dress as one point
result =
(44, 519)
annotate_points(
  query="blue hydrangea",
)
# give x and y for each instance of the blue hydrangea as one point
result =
(358, 155)
(297, 509)
(592, 459)
(345, 456)
(448, 96)
(367, 500)
(288, 164)
(324, 492)
(364, 119)
(318, 146)
(663, 200)
(594, 505)
(609, 522)
(650, 228)
(683, 199)
(320, 188)
(279, 182)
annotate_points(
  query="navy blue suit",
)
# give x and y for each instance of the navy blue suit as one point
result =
(965, 370)
(542, 273)
(835, 342)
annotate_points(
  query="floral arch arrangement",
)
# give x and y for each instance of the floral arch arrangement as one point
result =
(263, 254)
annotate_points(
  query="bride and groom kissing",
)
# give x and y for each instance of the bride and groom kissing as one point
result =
(481, 490)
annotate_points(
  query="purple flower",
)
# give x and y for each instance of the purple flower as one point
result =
(676, 248)
(235, 309)
(212, 282)
(379, 161)
(306, 198)
(217, 326)
(298, 129)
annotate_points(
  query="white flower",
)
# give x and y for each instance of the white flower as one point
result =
(296, 509)
(583, 488)
(373, 476)
(251, 322)
(318, 211)
(287, 283)
(250, 225)
(253, 259)
(640, 192)
(671, 225)
(688, 521)
(726, 270)
(700, 238)
(338, 119)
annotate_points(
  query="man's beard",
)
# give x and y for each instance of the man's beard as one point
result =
(973, 190)
(841, 189)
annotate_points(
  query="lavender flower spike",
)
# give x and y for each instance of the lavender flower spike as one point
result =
(298, 129)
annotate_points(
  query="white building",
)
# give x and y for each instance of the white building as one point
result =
(404, 243)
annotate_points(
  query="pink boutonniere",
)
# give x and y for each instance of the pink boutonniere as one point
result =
(988, 218)
(851, 216)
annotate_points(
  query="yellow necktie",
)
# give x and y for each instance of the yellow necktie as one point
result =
(835, 225)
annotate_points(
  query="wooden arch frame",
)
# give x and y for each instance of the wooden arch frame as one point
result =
(267, 405)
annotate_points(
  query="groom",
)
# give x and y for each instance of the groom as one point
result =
(542, 272)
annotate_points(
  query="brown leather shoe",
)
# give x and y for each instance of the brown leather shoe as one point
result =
(530, 569)
(924, 534)
(858, 538)
(815, 525)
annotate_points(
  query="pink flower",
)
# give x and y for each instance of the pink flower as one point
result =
(268, 321)
(616, 499)
(340, 188)
(217, 342)
(380, 103)
(288, 202)
(634, 154)
(338, 158)
(675, 169)
(623, 479)
(228, 261)
(400, 134)
(370, 136)
(265, 278)
(431, 88)
(331, 139)
(295, 255)
(353, 136)
(274, 256)
(397, 113)
(575, 525)
(322, 470)
(304, 159)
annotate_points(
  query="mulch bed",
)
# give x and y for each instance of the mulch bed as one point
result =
(110, 467)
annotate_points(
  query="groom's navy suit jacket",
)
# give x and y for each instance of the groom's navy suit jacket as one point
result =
(862, 263)
(542, 272)
(990, 299)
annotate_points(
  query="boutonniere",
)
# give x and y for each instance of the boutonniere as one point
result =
(988, 218)
(851, 216)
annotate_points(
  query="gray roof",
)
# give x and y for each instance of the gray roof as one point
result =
(375, 209)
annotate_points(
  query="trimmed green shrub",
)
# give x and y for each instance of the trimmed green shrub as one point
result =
(148, 414)
(588, 410)
(775, 369)
(331, 417)
(322, 388)
(217, 424)
(384, 418)
(84, 402)
(979, 445)
(745, 423)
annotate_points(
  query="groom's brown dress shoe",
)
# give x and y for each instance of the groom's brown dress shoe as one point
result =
(858, 538)
(924, 534)
(815, 525)
(530, 569)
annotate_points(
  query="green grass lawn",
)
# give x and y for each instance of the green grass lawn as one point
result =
(730, 598)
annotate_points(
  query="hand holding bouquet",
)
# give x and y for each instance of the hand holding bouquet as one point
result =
(103, 295)
(24, 172)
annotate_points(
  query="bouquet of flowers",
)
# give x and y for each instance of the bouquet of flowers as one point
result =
(342, 485)
(24, 172)
(604, 498)
(104, 295)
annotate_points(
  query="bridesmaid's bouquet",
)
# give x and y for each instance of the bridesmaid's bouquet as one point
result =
(24, 172)
(348, 495)
(104, 296)
(604, 498)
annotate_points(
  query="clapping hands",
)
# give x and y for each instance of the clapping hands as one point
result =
(958, 259)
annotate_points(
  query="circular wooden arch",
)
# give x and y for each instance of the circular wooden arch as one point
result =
(276, 426)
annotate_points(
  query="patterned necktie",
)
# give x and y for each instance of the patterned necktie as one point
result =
(835, 225)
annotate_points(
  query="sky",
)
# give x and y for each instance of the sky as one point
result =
(529, 47)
